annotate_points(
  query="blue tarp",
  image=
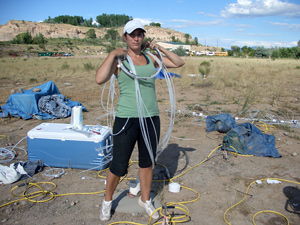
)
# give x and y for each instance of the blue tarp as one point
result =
(221, 123)
(246, 138)
(162, 76)
(25, 105)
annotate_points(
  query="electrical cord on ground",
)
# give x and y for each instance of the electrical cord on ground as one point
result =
(177, 218)
(246, 194)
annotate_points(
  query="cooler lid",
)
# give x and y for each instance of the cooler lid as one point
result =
(64, 132)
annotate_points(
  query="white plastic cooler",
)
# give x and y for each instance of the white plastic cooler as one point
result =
(59, 146)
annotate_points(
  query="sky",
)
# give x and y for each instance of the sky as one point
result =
(219, 23)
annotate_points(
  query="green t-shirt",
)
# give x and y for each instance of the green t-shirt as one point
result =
(127, 106)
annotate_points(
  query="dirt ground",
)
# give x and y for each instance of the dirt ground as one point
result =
(220, 182)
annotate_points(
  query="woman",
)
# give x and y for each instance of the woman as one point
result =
(126, 126)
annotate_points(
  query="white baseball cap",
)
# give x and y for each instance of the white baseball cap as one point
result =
(133, 25)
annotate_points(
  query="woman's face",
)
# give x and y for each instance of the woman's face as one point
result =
(135, 39)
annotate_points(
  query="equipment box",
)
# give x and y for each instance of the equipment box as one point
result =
(60, 146)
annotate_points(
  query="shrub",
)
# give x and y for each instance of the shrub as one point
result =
(204, 68)
(65, 66)
(91, 34)
(23, 38)
(180, 51)
(88, 66)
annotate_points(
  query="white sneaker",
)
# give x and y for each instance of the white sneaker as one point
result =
(105, 213)
(149, 208)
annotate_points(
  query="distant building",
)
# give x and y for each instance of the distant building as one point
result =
(174, 45)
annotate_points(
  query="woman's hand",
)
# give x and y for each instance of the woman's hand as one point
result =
(120, 52)
(109, 66)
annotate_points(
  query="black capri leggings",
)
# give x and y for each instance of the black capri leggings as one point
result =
(124, 141)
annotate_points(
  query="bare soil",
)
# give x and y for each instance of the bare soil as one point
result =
(220, 182)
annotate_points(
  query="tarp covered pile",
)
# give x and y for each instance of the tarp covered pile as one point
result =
(246, 138)
(48, 103)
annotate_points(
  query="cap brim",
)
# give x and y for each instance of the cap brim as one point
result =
(129, 31)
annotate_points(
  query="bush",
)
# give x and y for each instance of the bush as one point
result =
(88, 66)
(91, 34)
(180, 51)
(204, 68)
(23, 38)
(65, 66)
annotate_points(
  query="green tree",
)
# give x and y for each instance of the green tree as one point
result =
(39, 39)
(155, 24)
(261, 52)
(88, 23)
(66, 19)
(230, 53)
(251, 52)
(23, 38)
(112, 34)
(283, 53)
(196, 41)
(91, 34)
(275, 54)
(180, 51)
(245, 50)
(187, 37)
(235, 49)
(112, 20)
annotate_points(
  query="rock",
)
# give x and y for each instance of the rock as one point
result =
(286, 133)
(294, 154)
(72, 203)
(4, 220)
(8, 210)
(12, 91)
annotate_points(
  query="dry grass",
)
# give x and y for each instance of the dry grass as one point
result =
(239, 80)
(262, 81)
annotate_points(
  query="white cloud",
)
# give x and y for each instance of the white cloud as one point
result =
(207, 14)
(211, 15)
(145, 21)
(266, 44)
(258, 35)
(227, 43)
(193, 23)
(288, 26)
(261, 8)
(239, 30)
(243, 25)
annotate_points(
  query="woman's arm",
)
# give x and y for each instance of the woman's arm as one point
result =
(109, 66)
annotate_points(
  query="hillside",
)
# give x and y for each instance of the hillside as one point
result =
(15, 27)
